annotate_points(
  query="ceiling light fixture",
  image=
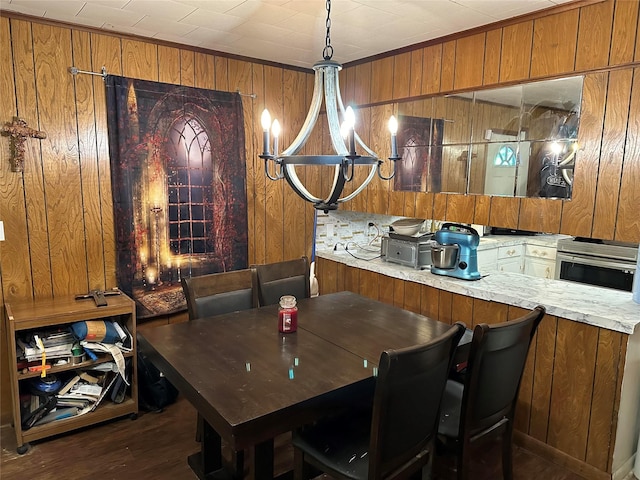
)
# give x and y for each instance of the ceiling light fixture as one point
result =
(343, 138)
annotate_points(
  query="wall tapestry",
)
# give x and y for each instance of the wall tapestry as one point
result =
(420, 144)
(178, 180)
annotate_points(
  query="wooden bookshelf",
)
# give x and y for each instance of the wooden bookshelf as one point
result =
(41, 314)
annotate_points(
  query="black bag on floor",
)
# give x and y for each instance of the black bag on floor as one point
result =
(154, 389)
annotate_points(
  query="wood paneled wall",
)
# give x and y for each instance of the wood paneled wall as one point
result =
(569, 395)
(598, 40)
(58, 214)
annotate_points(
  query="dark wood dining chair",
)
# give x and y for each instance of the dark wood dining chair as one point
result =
(485, 402)
(220, 293)
(290, 277)
(217, 294)
(395, 438)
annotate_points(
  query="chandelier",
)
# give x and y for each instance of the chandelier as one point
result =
(343, 138)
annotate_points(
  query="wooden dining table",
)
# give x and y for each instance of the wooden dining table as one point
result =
(250, 383)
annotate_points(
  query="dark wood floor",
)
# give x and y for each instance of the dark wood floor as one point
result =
(155, 446)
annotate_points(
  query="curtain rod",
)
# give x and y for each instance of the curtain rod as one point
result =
(103, 74)
(75, 71)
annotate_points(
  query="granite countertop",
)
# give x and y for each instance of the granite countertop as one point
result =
(601, 307)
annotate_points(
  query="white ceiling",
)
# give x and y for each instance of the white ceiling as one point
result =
(291, 32)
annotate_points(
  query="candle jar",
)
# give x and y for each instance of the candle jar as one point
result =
(287, 314)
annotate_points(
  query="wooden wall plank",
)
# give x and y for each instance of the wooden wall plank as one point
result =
(362, 90)
(429, 301)
(577, 214)
(523, 406)
(352, 280)
(168, 64)
(412, 300)
(369, 284)
(604, 383)
(440, 206)
(424, 205)
(431, 69)
(575, 357)
(139, 59)
(516, 51)
(294, 207)
(204, 71)
(492, 54)
(489, 312)
(554, 44)
(594, 35)
(448, 66)
(469, 61)
(461, 208)
(504, 212)
(542, 378)
(398, 292)
(24, 217)
(105, 51)
(540, 215)
(462, 310)
(274, 190)
(482, 210)
(12, 212)
(611, 154)
(221, 69)
(628, 221)
(258, 251)
(89, 162)
(187, 68)
(386, 289)
(60, 165)
(401, 75)
(445, 307)
(625, 21)
(415, 80)
(382, 80)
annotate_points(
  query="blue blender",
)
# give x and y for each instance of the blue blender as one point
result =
(455, 253)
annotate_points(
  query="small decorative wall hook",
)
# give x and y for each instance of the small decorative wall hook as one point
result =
(18, 131)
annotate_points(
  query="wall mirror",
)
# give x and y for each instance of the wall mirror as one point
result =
(516, 141)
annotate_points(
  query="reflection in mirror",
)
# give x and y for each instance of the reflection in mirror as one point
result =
(512, 141)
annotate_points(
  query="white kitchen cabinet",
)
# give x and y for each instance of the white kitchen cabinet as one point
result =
(487, 259)
(540, 261)
(510, 258)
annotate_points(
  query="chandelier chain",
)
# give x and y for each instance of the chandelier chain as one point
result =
(327, 52)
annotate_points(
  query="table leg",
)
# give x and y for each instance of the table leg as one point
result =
(207, 463)
(262, 464)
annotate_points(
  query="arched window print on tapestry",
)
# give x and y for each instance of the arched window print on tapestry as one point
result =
(190, 191)
(178, 180)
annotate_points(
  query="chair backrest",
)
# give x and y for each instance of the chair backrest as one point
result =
(406, 406)
(290, 277)
(219, 293)
(494, 370)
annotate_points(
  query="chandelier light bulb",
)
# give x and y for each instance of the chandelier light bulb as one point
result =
(265, 120)
(350, 118)
(556, 148)
(393, 125)
(275, 128)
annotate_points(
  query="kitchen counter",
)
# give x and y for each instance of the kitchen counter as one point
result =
(601, 307)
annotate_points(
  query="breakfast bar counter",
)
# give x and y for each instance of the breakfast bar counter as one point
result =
(579, 400)
(601, 307)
